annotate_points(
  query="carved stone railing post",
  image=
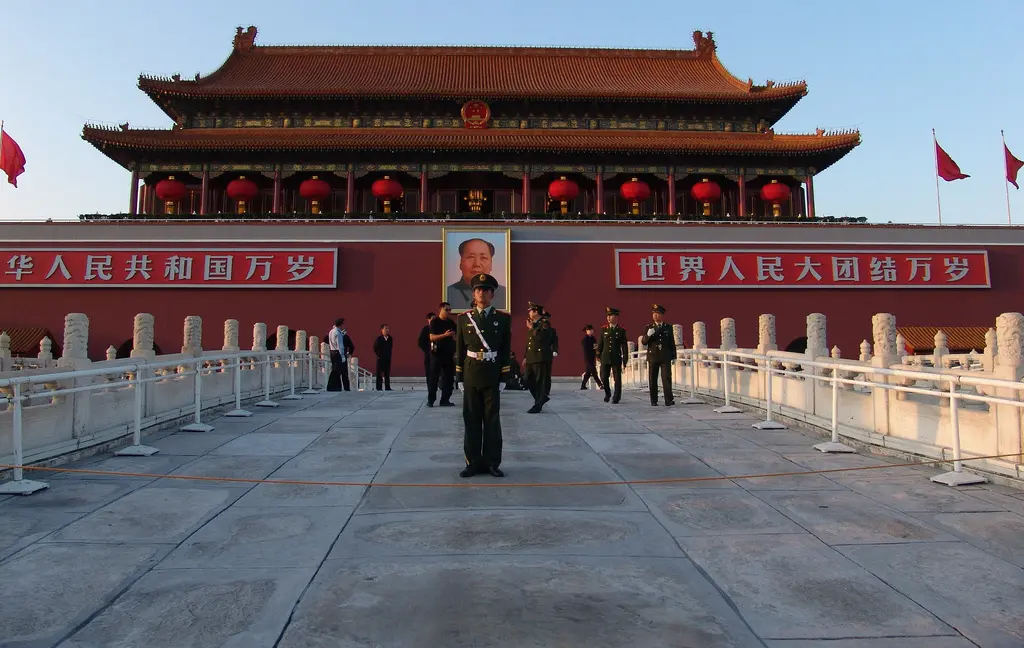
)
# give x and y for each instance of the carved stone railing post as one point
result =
(45, 352)
(300, 345)
(143, 333)
(817, 339)
(192, 343)
(282, 343)
(988, 360)
(111, 352)
(865, 351)
(1009, 366)
(700, 336)
(314, 348)
(259, 340)
(76, 341)
(230, 336)
(883, 332)
(766, 334)
(941, 350)
(5, 351)
(728, 326)
(677, 337)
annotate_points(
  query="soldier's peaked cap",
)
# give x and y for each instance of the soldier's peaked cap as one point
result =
(484, 281)
(611, 311)
(657, 308)
(534, 306)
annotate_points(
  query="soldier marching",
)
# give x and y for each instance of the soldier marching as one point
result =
(541, 347)
(661, 352)
(613, 351)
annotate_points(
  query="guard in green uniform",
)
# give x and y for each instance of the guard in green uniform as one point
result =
(482, 346)
(613, 351)
(538, 356)
(661, 351)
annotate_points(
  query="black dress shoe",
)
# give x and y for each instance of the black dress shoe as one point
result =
(495, 471)
(430, 403)
(669, 403)
(655, 403)
(533, 410)
(615, 401)
(607, 397)
(446, 404)
(468, 471)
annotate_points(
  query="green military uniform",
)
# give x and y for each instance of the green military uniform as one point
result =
(613, 351)
(539, 350)
(483, 343)
(661, 352)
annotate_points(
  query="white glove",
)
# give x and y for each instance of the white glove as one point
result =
(501, 388)
(554, 354)
(650, 332)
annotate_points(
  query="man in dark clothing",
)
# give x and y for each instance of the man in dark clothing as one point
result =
(424, 344)
(442, 358)
(538, 357)
(613, 350)
(382, 347)
(661, 352)
(341, 348)
(590, 357)
(554, 352)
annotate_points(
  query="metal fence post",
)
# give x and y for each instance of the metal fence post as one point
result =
(238, 412)
(292, 362)
(834, 445)
(727, 408)
(197, 425)
(956, 477)
(692, 398)
(311, 382)
(136, 449)
(19, 486)
(768, 423)
(266, 402)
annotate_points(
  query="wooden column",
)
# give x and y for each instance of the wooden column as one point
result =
(133, 201)
(671, 193)
(204, 192)
(526, 192)
(600, 193)
(350, 190)
(810, 196)
(144, 199)
(276, 204)
(423, 192)
(743, 193)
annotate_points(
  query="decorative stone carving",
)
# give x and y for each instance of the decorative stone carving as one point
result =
(193, 336)
(111, 352)
(314, 344)
(230, 336)
(632, 347)
(45, 351)
(988, 360)
(940, 350)
(325, 350)
(282, 338)
(865, 351)
(677, 335)
(5, 345)
(259, 337)
(300, 340)
(700, 336)
(143, 332)
(76, 337)
(901, 344)
(766, 334)
(817, 342)
(1009, 329)
(883, 332)
(728, 325)
(836, 353)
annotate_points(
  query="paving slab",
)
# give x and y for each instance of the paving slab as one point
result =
(688, 512)
(325, 411)
(70, 496)
(152, 465)
(796, 587)
(198, 608)
(264, 443)
(494, 533)
(890, 642)
(318, 464)
(243, 537)
(915, 493)
(51, 588)
(227, 466)
(999, 533)
(148, 515)
(703, 442)
(737, 463)
(978, 594)
(190, 443)
(355, 439)
(19, 528)
(623, 443)
(639, 466)
(503, 601)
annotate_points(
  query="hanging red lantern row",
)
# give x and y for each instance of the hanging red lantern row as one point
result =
(170, 191)
(243, 191)
(387, 190)
(563, 190)
(775, 193)
(706, 191)
(635, 192)
(314, 190)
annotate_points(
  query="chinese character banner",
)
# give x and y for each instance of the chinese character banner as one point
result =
(168, 268)
(801, 269)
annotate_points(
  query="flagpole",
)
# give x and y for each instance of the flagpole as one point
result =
(1006, 181)
(935, 152)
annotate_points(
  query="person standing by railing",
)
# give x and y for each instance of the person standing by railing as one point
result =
(382, 346)
(590, 357)
(341, 348)
(661, 351)
(613, 349)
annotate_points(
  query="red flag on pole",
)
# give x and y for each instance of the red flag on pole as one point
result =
(1013, 165)
(12, 159)
(947, 168)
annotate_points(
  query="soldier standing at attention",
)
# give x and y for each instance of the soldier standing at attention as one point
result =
(537, 357)
(590, 357)
(613, 349)
(661, 351)
(482, 346)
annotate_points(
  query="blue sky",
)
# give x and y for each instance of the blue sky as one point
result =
(894, 69)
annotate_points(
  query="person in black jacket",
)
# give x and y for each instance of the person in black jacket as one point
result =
(424, 344)
(382, 347)
(341, 348)
(590, 357)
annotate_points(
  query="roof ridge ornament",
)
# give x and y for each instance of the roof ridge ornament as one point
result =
(705, 45)
(245, 40)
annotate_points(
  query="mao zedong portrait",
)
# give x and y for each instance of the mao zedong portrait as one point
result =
(476, 256)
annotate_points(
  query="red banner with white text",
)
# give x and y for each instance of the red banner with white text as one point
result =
(168, 267)
(709, 268)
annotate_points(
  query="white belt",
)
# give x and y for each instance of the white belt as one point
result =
(489, 356)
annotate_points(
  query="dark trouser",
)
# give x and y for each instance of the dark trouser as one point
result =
(426, 367)
(665, 367)
(591, 372)
(339, 373)
(480, 411)
(442, 369)
(383, 373)
(538, 381)
(615, 369)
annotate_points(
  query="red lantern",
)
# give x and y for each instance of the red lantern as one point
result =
(635, 191)
(775, 193)
(706, 191)
(387, 190)
(170, 191)
(563, 190)
(243, 191)
(315, 190)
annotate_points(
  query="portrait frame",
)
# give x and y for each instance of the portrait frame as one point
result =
(501, 266)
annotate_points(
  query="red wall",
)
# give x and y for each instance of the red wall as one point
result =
(398, 283)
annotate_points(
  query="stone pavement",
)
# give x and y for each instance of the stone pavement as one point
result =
(878, 558)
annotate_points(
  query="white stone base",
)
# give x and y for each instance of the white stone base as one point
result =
(197, 427)
(768, 425)
(291, 397)
(23, 487)
(727, 409)
(953, 478)
(829, 446)
(691, 401)
(239, 413)
(137, 451)
(268, 403)
(310, 391)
